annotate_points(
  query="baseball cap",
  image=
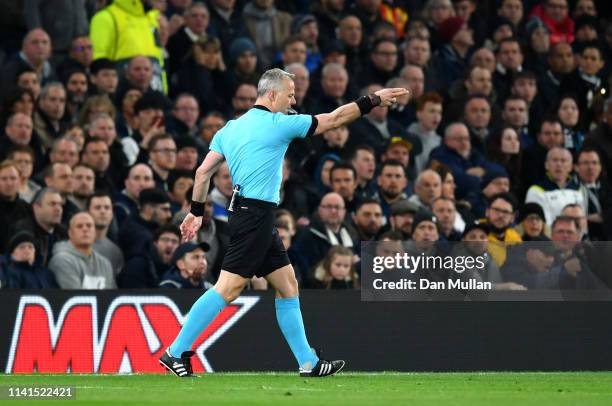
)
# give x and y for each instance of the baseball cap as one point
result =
(187, 247)
(404, 206)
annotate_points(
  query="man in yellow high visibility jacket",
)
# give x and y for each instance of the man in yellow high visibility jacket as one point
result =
(124, 30)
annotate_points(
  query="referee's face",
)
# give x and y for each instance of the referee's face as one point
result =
(285, 98)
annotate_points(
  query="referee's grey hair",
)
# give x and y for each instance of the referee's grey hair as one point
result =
(272, 80)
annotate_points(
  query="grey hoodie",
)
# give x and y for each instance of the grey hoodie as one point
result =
(74, 270)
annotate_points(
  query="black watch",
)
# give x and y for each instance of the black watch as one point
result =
(375, 99)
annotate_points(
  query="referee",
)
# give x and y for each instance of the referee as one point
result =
(254, 146)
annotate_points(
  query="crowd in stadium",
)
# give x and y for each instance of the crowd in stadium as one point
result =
(108, 107)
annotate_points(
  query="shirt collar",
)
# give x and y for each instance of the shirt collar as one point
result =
(260, 107)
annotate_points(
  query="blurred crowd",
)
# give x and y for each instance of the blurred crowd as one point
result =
(108, 107)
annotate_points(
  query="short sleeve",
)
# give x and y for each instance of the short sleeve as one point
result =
(215, 144)
(298, 125)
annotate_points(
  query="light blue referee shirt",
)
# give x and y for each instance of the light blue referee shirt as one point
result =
(254, 146)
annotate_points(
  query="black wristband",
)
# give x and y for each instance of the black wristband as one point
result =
(367, 103)
(197, 208)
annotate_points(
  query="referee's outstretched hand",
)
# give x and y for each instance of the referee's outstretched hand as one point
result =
(389, 96)
(190, 226)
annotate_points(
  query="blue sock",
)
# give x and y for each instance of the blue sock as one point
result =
(203, 311)
(290, 321)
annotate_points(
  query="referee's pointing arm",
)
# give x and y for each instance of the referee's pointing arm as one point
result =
(351, 111)
(279, 99)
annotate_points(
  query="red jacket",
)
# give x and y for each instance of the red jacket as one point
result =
(559, 32)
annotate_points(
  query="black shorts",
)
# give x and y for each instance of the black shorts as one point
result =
(255, 248)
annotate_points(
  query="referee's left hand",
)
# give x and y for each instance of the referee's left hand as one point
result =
(389, 96)
(190, 226)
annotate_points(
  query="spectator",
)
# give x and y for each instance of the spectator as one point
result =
(307, 28)
(122, 31)
(538, 38)
(201, 74)
(417, 51)
(392, 181)
(444, 210)
(103, 77)
(22, 269)
(496, 180)
(34, 55)
(549, 136)
(532, 222)
(59, 177)
(102, 126)
(149, 120)
(427, 188)
(343, 180)
(293, 51)
(95, 154)
(44, 223)
(401, 218)
(569, 116)
(196, 17)
(18, 133)
(137, 231)
(184, 119)
(75, 263)
(268, 26)
(19, 100)
(146, 269)
(226, 22)
(368, 220)
(335, 271)
(190, 268)
(80, 54)
(382, 64)
(504, 149)
(125, 204)
(524, 85)
(23, 158)
(364, 162)
(303, 104)
(477, 117)
(555, 14)
(484, 58)
(576, 212)
(48, 116)
(64, 150)
(477, 81)
(83, 185)
(509, 58)
(179, 182)
(12, 208)
(222, 192)
(595, 189)
(516, 115)
(334, 82)
(100, 207)
(560, 63)
(513, 11)
(450, 60)
(350, 34)
(467, 165)
(429, 115)
(243, 99)
(242, 61)
(76, 93)
(557, 190)
(186, 154)
(140, 73)
(210, 124)
(585, 81)
(401, 149)
(325, 230)
(500, 217)
(64, 21)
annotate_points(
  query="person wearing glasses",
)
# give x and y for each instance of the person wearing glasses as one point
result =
(162, 158)
(500, 218)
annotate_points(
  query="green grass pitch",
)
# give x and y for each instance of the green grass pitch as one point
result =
(349, 388)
